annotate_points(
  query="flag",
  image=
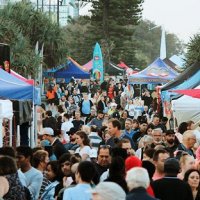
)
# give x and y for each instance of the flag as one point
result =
(97, 67)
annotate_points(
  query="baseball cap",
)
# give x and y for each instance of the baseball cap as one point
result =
(72, 131)
(47, 131)
(109, 191)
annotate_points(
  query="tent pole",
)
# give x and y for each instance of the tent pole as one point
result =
(33, 129)
(11, 131)
(31, 133)
(1, 130)
(35, 125)
(18, 135)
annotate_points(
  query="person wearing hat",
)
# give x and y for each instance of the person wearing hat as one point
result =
(57, 147)
(108, 191)
(71, 145)
(170, 187)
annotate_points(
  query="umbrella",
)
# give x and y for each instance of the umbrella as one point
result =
(189, 92)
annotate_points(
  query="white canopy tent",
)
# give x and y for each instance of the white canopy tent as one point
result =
(186, 108)
(6, 111)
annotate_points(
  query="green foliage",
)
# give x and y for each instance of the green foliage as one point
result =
(147, 37)
(113, 22)
(79, 39)
(193, 53)
(32, 26)
(22, 57)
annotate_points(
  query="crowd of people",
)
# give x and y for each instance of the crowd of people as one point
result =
(103, 142)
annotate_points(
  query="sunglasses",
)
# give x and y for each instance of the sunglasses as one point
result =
(105, 146)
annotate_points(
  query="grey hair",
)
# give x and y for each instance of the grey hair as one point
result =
(137, 177)
(157, 129)
(145, 140)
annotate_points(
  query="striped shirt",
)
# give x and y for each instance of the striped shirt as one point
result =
(95, 139)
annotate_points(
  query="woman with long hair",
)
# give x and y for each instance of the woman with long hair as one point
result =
(192, 177)
(53, 175)
(101, 105)
(84, 145)
(13, 188)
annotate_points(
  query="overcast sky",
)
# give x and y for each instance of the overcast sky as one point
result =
(181, 17)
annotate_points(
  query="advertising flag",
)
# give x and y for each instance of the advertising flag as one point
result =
(97, 67)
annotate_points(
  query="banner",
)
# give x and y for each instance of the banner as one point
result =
(97, 67)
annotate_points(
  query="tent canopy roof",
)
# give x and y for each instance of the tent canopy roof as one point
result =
(14, 88)
(72, 69)
(157, 72)
(88, 66)
(188, 73)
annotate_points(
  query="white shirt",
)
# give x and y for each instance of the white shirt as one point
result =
(131, 109)
(84, 150)
(65, 127)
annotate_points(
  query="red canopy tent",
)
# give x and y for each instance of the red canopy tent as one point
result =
(189, 92)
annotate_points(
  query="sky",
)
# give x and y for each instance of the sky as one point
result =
(176, 16)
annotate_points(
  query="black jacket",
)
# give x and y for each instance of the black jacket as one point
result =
(139, 193)
(172, 188)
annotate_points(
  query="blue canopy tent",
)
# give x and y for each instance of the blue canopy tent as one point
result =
(16, 89)
(155, 73)
(72, 69)
(52, 71)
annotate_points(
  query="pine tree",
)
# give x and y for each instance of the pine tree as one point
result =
(113, 22)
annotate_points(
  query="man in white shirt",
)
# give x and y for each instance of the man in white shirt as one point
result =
(65, 127)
